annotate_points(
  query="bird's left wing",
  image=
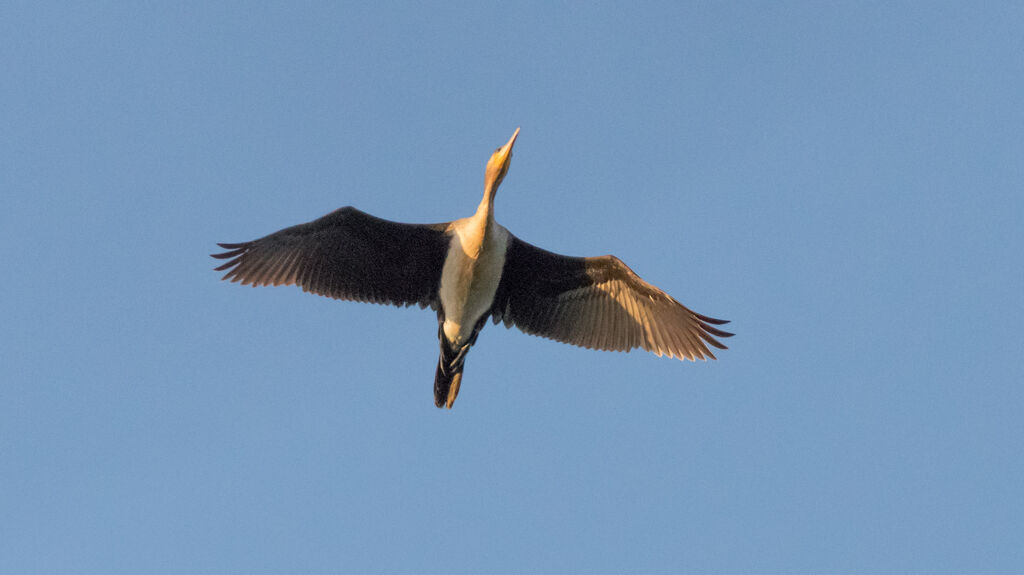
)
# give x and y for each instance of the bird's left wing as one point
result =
(349, 255)
(597, 303)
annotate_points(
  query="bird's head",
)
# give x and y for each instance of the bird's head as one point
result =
(497, 166)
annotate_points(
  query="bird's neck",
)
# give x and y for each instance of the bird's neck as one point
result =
(473, 231)
(485, 211)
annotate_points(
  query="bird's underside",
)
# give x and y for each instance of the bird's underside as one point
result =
(597, 302)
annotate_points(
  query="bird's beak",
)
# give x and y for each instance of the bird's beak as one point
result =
(512, 140)
(506, 150)
(498, 165)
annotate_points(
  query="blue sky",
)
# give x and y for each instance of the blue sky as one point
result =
(844, 183)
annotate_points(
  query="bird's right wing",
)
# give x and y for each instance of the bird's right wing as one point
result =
(597, 303)
(347, 254)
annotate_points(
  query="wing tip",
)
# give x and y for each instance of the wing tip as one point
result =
(711, 319)
(233, 250)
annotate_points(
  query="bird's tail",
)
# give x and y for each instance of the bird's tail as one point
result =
(449, 373)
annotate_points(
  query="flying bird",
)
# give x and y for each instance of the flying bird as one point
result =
(469, 270)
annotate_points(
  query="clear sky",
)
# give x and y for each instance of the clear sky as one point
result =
(843, 183)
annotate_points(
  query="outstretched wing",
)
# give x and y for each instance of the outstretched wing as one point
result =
(597, 303)
(349, 255)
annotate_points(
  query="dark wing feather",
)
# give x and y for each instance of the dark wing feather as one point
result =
(598, 303)
(347, 254)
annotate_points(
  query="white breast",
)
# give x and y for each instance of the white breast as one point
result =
(472, 270)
